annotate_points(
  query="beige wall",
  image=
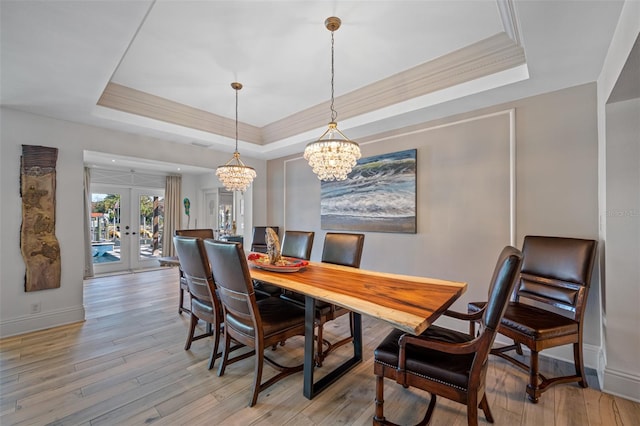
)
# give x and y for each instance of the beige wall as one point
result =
(618, 140)
(464, 200)
(622, 217)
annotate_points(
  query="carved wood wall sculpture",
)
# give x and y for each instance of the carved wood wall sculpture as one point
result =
(38, 242)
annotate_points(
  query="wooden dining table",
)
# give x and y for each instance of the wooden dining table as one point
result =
(409, 303)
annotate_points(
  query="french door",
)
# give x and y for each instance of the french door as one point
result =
(126, 228)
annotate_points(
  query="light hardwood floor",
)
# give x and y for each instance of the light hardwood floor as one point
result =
(125, 365)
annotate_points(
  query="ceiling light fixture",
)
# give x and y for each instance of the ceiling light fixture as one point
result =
(235, 175)
(333, 155)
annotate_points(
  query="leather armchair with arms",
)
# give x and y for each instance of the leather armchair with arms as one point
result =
(549, 305)
(446, 362)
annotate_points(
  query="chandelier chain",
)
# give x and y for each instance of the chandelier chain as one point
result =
(235, 175)
(236, 120)
(334, 114)
(333, 155)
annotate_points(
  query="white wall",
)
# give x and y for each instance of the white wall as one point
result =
(464, 220)
(58, 306)
(65, 304)
(622, 220)
(621, 374)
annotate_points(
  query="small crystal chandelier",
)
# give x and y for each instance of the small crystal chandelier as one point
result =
(234, 175)
(333, 155)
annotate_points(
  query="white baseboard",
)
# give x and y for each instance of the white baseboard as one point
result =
(610, 381)
(41, 321)
(621, 384)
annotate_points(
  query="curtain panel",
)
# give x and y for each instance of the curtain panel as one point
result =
(172, 214)
(88, 254)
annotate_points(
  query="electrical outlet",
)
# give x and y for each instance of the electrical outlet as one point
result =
(36, 307)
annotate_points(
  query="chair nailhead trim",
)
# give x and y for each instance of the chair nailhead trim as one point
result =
(395, 367)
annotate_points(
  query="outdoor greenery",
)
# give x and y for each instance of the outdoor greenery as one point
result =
(110, 205)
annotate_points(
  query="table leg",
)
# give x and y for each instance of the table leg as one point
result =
(311, 388)
(309, 341)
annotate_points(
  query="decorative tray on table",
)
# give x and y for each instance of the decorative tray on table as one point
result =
(285, 264)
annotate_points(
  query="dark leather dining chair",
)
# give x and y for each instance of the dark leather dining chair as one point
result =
(446, 362)
(555, 276)
(339, 249)
(259, 239)
(204, 302)
(254, 323)
(184, 288)
(296, 244)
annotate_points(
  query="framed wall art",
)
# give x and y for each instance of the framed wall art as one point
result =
(379, 195)
(38, 243)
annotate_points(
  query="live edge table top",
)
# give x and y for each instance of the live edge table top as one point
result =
(409, 303)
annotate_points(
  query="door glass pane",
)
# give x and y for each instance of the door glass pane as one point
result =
(105, 227)
(225, 212)
(151, 225)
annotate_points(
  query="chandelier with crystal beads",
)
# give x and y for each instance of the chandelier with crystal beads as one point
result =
(235, 175)
(333, 155)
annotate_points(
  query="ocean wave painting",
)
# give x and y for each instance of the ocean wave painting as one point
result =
(378, 195)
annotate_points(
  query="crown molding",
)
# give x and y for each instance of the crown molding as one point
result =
(509, 18)
(486, 57)
(126, 99)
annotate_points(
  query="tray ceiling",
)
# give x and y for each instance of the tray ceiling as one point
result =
(164, 68)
